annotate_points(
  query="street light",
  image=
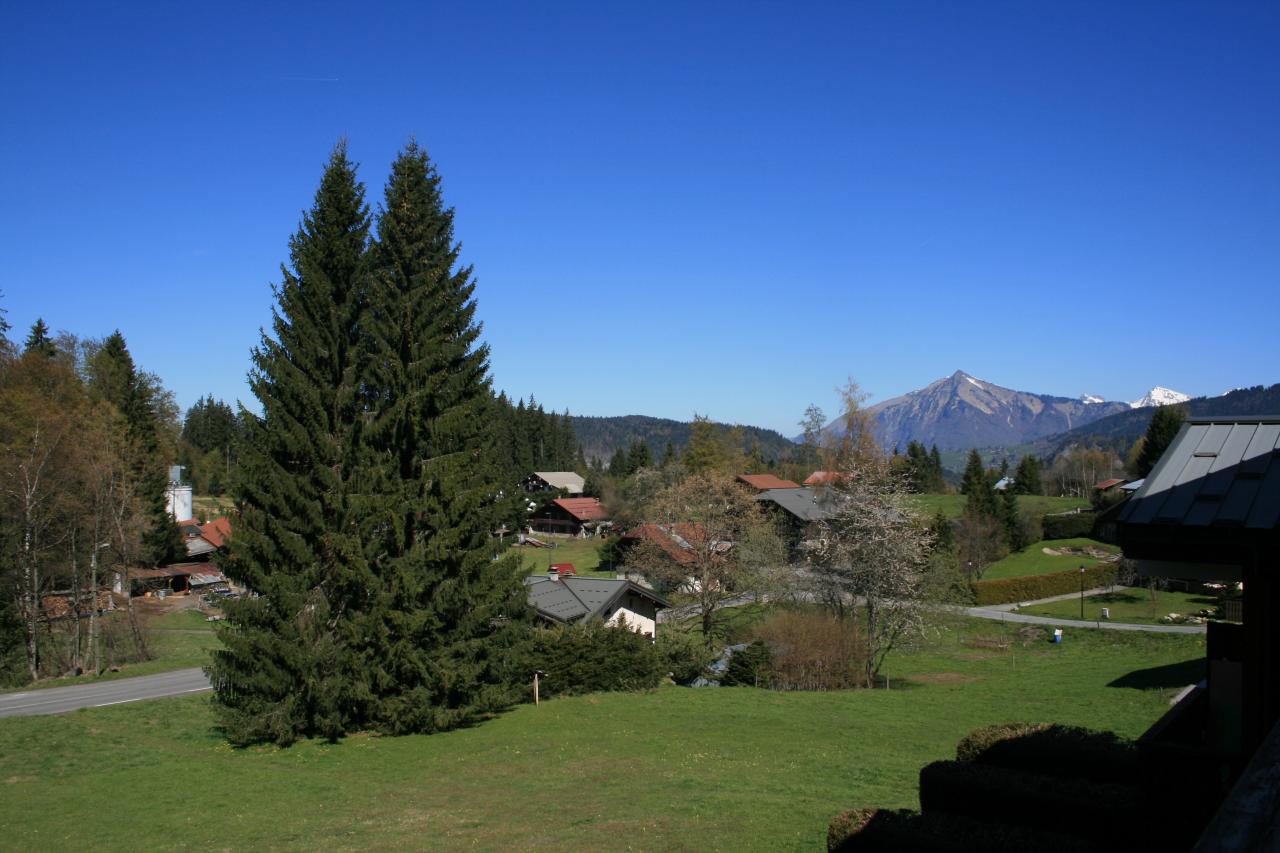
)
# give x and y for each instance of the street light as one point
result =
(1082, 593)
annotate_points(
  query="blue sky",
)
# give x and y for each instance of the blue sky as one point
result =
(678, 208)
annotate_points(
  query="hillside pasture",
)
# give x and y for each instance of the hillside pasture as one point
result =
(671, 769)
(952, 506)
(1033, 560)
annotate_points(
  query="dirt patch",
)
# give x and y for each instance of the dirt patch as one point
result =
(14, 780)
(943, 678)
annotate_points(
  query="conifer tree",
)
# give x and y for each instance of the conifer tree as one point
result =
(38, 340)
(1026, 477)
(448, 610)
(1164, 426)
(290, 665)
(978, 487)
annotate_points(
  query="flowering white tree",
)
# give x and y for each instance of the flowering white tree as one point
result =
(869, 554)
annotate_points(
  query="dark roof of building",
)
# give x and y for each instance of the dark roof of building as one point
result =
(804, 503)
(583, 509)
(1217, 473)
(574, 599)
(766, 481)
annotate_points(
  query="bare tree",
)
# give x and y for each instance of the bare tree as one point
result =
(708, 538)
(869, 553)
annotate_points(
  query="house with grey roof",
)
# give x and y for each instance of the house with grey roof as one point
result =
(563, 600)
(1210, 510)
(550, 481)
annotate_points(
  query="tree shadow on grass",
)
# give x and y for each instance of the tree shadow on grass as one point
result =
(1169, 675)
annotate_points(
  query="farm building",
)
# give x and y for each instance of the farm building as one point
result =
(551, 481)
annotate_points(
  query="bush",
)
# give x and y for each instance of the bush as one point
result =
(812, 650)
(1032, 587)
(682, 654)
(938, 832)
(748, 667)
(1053, 749)
(1069, 526)
(587, 658)
(1028, 527)
(1054, 804)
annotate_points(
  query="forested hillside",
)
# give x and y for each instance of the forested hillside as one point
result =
(600, 437)
(1119, 432)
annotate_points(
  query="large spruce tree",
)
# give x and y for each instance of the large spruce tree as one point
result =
(291, 664)
(449, 610)
(1161, 431)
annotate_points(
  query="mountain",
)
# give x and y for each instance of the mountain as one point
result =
(1159, 396)
(961, 411)
(600, 437)
(1118, 432)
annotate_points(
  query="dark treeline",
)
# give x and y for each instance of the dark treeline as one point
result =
(528, 439)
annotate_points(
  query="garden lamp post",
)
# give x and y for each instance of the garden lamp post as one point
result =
(1082, 593)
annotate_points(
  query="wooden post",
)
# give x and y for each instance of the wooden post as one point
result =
(535, 688)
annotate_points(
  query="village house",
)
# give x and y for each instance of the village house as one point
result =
(561, 600)
(580, 517)
(552, 481)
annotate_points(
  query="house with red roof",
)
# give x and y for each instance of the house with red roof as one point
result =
(571, 516)
(765, 482)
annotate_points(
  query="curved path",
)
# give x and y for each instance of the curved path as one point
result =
(1006, 616)
(57, 700)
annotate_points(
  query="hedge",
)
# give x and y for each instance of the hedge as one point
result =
(1032, 587)
(1069, 526)
(901, 830)
(1105, 812)
(1054, 750)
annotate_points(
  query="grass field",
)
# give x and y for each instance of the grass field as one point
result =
(583, 553)
(1034, 561)
(952, 506)
(672, 769)
(1128, 605)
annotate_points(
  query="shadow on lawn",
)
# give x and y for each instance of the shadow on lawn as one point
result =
(1169, 675)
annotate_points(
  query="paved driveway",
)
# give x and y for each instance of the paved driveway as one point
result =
(57, 700)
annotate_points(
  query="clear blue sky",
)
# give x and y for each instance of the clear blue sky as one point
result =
(721, 208)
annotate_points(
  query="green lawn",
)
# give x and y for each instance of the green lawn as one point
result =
(1128, 604)
(583, 553)
(672, 769)
(952, 506)
(1032, 560)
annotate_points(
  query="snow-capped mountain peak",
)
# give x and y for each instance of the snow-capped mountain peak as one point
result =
(1160, 396)
(1091, 398)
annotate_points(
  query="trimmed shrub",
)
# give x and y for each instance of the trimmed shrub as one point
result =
(901, 829)
(1070, 526)
(1032, 587)
(587, 658)
(1054, 750)
(748, 667)
(1104, 811)
(812, 650)
(682, 654)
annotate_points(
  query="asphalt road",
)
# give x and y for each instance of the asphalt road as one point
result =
(58, 700)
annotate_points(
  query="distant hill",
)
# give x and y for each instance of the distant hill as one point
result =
(961, 411)
(600, 437)
(1118, 432)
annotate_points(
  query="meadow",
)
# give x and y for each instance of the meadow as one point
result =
(669, 769)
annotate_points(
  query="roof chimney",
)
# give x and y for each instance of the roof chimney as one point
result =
(554, 574)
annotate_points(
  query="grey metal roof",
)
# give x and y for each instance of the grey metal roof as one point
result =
(1218, 472)
(805, 503)
(573, 599)
(570, 481)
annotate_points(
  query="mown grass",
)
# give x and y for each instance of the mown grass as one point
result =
(1032, 560)
(583, 553)
(672, 769)
(1127, 605)
(952, 506)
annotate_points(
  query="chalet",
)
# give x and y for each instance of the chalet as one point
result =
(764, 482)
(1210, 511)
(562, 600)
(571, 516)
(553, 481)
